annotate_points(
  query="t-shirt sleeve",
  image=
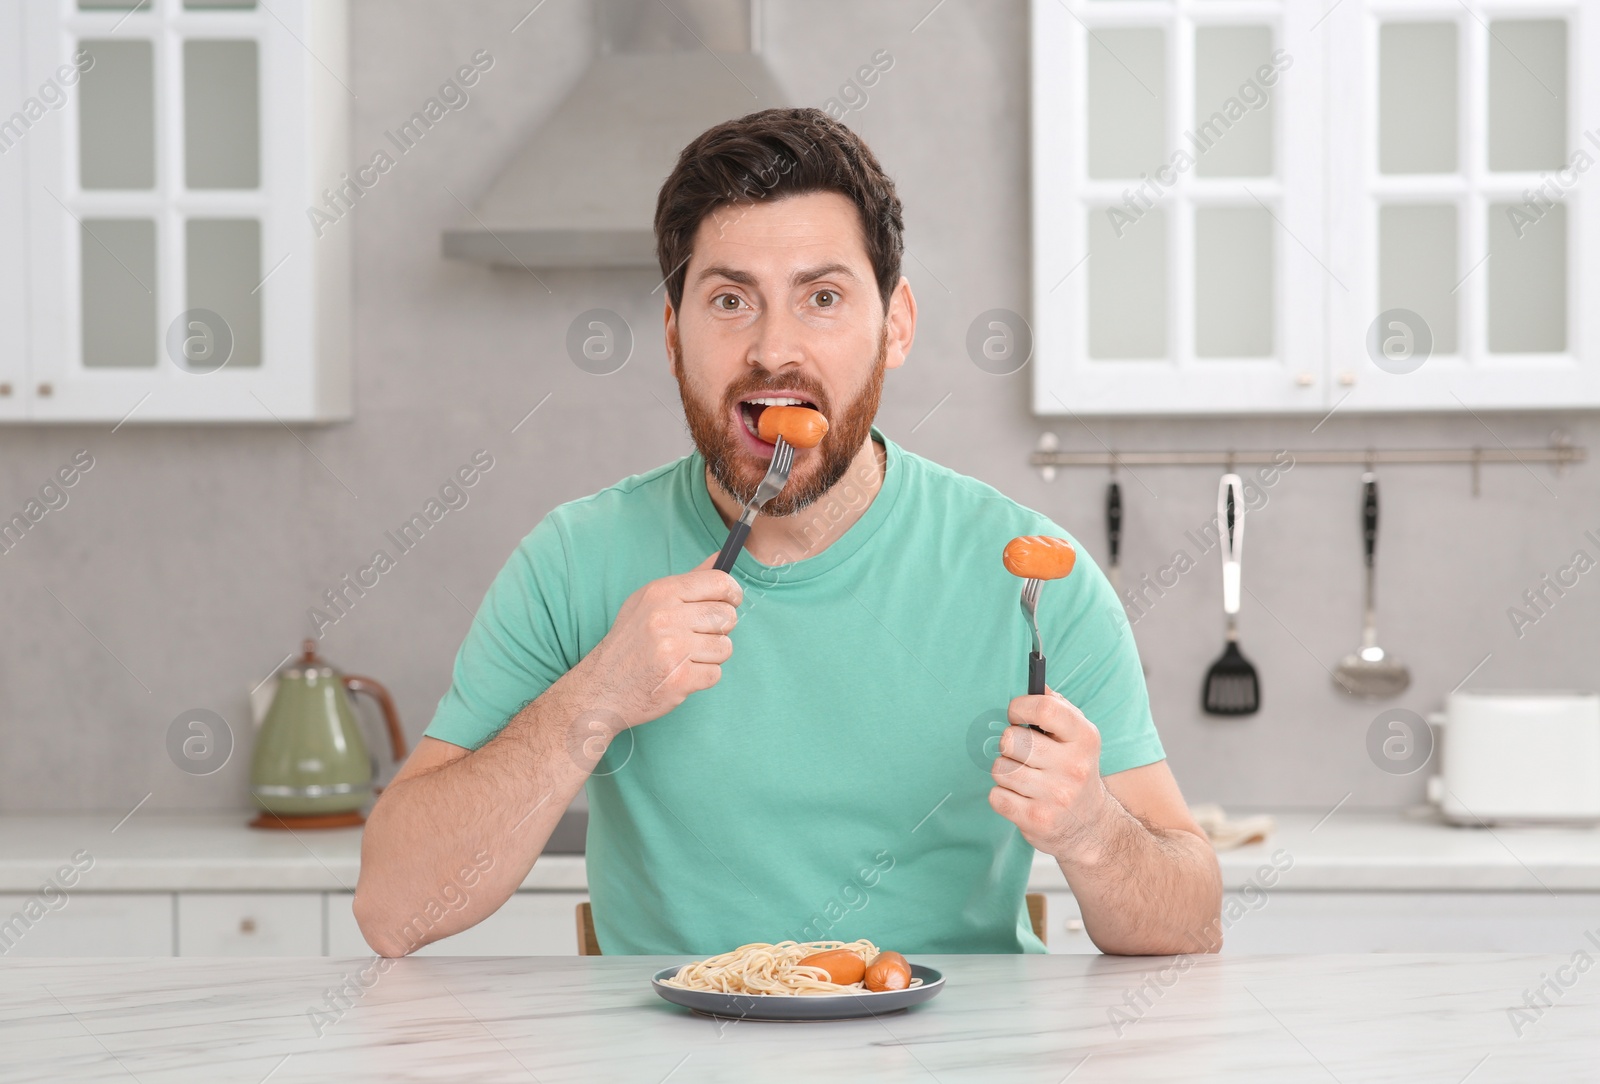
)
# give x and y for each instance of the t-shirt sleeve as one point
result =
(513, 650)
(1092, 660)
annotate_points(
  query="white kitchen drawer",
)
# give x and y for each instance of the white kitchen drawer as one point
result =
(250, 924)
(527, 924)
(1315, 922)
(88, 924)
(1064, 925)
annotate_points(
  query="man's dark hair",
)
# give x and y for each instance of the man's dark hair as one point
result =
(768, 155)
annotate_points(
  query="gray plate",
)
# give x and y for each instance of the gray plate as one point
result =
(800, 1006)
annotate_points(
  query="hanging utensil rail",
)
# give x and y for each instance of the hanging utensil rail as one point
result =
(1560, 452)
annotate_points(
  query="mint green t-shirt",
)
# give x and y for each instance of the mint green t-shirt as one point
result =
(834, 783)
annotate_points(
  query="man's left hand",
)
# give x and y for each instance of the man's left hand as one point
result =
(1048, 784)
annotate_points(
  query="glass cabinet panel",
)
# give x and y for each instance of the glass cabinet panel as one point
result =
(220, 114)
(1127, 101)
(117, 116)
(119, 300)
(1527, 281)
(1128, 286)
(1232, 109)
(1527, 94)
(1233, 282)
(1418, 260)
(224, 257)
(1418, 98)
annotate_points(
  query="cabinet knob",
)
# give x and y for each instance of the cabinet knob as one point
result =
(46, 390)
(5, 391)
(247, 925)
(1074, 925)
(1305, 380)
(1346, 378)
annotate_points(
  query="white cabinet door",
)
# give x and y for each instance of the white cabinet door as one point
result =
(173, 273)
(87, 924)
(1318, 922)
(14, 126)
(528, 924)
(1177, 186)
(1463, 220)
(253, 924)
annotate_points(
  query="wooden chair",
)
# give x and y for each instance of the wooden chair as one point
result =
(588, 945)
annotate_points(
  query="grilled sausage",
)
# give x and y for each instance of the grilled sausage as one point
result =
(800, 426)
(1039, 557)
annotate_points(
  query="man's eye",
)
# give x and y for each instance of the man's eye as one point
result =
(720, 298)
(829, 295)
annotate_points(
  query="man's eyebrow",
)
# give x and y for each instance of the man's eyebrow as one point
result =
(804, 275)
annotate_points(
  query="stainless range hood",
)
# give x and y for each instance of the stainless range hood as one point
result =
(582, 193)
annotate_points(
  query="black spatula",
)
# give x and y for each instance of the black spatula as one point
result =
(1231, 687)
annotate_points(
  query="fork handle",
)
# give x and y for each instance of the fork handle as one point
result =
(736, 536)
(1035, 673)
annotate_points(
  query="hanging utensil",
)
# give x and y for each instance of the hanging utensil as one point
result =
(1370, 672)
(1114, 535)
(1231, 685)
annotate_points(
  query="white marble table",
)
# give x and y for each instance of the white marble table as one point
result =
(1041, 1019)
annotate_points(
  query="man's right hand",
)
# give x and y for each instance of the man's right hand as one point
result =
(670, 639)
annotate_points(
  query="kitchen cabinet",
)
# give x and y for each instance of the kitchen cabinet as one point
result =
(174, 198)
(250, 924)
(13, 256)
(87, 924)
(543, 924)
(1320, 922)
(1281, 207)
(528, 924)
(1064, 925)
(1324, 922)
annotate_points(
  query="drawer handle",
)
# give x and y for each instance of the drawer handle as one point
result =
(247, 925)
(1074, 925)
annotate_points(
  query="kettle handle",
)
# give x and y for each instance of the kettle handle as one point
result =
(391, 717)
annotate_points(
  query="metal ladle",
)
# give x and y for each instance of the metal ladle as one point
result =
(1369, 672)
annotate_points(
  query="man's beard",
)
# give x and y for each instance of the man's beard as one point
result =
(739, 471)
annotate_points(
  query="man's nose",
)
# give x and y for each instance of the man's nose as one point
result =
(780, 340)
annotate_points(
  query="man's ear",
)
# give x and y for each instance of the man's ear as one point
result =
(901, 324)
(669, 318)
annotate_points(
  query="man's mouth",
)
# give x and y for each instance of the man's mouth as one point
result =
(750, 409)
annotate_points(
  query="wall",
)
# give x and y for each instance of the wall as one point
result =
(182, 570)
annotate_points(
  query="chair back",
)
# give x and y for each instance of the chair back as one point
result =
(589, 945)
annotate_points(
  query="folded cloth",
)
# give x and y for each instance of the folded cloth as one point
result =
(1227, 834)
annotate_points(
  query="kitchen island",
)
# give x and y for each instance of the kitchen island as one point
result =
(1040, 1019)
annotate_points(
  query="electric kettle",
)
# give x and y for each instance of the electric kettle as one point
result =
(311, 768)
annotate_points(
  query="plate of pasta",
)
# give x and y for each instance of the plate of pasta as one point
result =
(799, 980)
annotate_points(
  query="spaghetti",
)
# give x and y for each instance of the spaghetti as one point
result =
(760, 968)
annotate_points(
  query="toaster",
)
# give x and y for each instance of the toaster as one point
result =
(1518, 757)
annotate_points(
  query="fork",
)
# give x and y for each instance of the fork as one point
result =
(771, 485)
(1030, 609)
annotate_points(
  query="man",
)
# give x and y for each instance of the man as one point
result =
(804, 748)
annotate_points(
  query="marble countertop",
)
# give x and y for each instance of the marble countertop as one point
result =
(1347, 851)
(1035, 1019)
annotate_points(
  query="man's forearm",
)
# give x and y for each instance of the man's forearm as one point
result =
(1144, 891)
(443, 850)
